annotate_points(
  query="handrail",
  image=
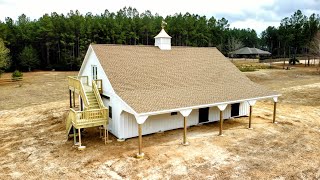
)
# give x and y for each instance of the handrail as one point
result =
(77, 84)
(86, 77)
(99, 84)
(97, 94)
(71, 117)
(80, 79)
(83, 94)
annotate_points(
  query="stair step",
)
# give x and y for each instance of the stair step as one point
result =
(94, 107)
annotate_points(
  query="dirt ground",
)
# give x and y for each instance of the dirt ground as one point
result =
(34, 146)
(36, 88)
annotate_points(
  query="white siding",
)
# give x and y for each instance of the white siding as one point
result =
(154, 124)
(214, 113)
(244, 109)
(128, 126)
(115, 125)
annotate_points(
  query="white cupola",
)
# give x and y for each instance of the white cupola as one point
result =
(163, 40)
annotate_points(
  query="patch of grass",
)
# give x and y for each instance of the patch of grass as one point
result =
(16, 75)
(252, 67)
(246, 69)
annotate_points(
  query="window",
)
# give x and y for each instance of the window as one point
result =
(174, 113)
(110, 112)
(107, 97)
(94, 72)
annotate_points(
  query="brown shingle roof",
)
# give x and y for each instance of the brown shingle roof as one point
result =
(149, 79)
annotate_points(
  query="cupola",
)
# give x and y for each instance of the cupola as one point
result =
(163, 40)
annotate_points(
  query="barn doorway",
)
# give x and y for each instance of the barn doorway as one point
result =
(203, 115)
(235, 109)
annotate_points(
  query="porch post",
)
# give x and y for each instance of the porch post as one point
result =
(185, 114)
(105, 136)
(70, 98)
(79, 134)
(275, 99)
(81, 104)
(250, 115)
(221, 123)
(140, 120)
(251, 104)
(185, 131)
(107, 131)
(74, 136)
(80, 146)
(74, 99)
(140, 138)
(221, 107)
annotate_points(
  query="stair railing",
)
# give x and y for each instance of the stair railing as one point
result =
(83, 95)
(71, 118)
(97, 94)
(77, 84)
(99, 85)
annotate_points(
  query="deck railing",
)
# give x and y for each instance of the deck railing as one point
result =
(99, 85)
(89, 118)
(70, 119)
(97, 94)
(76, 82)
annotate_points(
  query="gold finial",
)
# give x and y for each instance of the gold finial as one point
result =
(163, 24)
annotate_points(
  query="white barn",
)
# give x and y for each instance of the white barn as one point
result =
(158, 88)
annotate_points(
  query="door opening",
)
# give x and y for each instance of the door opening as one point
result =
(203, 115)
(235, 109)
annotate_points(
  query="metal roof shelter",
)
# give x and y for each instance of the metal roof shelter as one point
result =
(250, 51)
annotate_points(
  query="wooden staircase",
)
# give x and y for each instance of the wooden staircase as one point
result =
(93, 102)
(94, 112)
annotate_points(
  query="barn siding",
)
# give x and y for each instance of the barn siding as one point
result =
(244, 109)
(164, 122)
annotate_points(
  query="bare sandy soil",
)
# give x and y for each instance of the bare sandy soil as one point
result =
(34, 146)
(35, 88)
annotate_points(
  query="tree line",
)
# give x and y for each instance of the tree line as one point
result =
(58, 41)
(297, 34)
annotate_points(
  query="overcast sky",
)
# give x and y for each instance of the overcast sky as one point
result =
(255, 14)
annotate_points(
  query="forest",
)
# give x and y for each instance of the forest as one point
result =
(58, 41)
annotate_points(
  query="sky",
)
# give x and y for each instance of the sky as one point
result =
(254, 14)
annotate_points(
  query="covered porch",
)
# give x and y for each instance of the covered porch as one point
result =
(186, 113)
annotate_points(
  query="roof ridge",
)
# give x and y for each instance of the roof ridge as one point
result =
(142, 45)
